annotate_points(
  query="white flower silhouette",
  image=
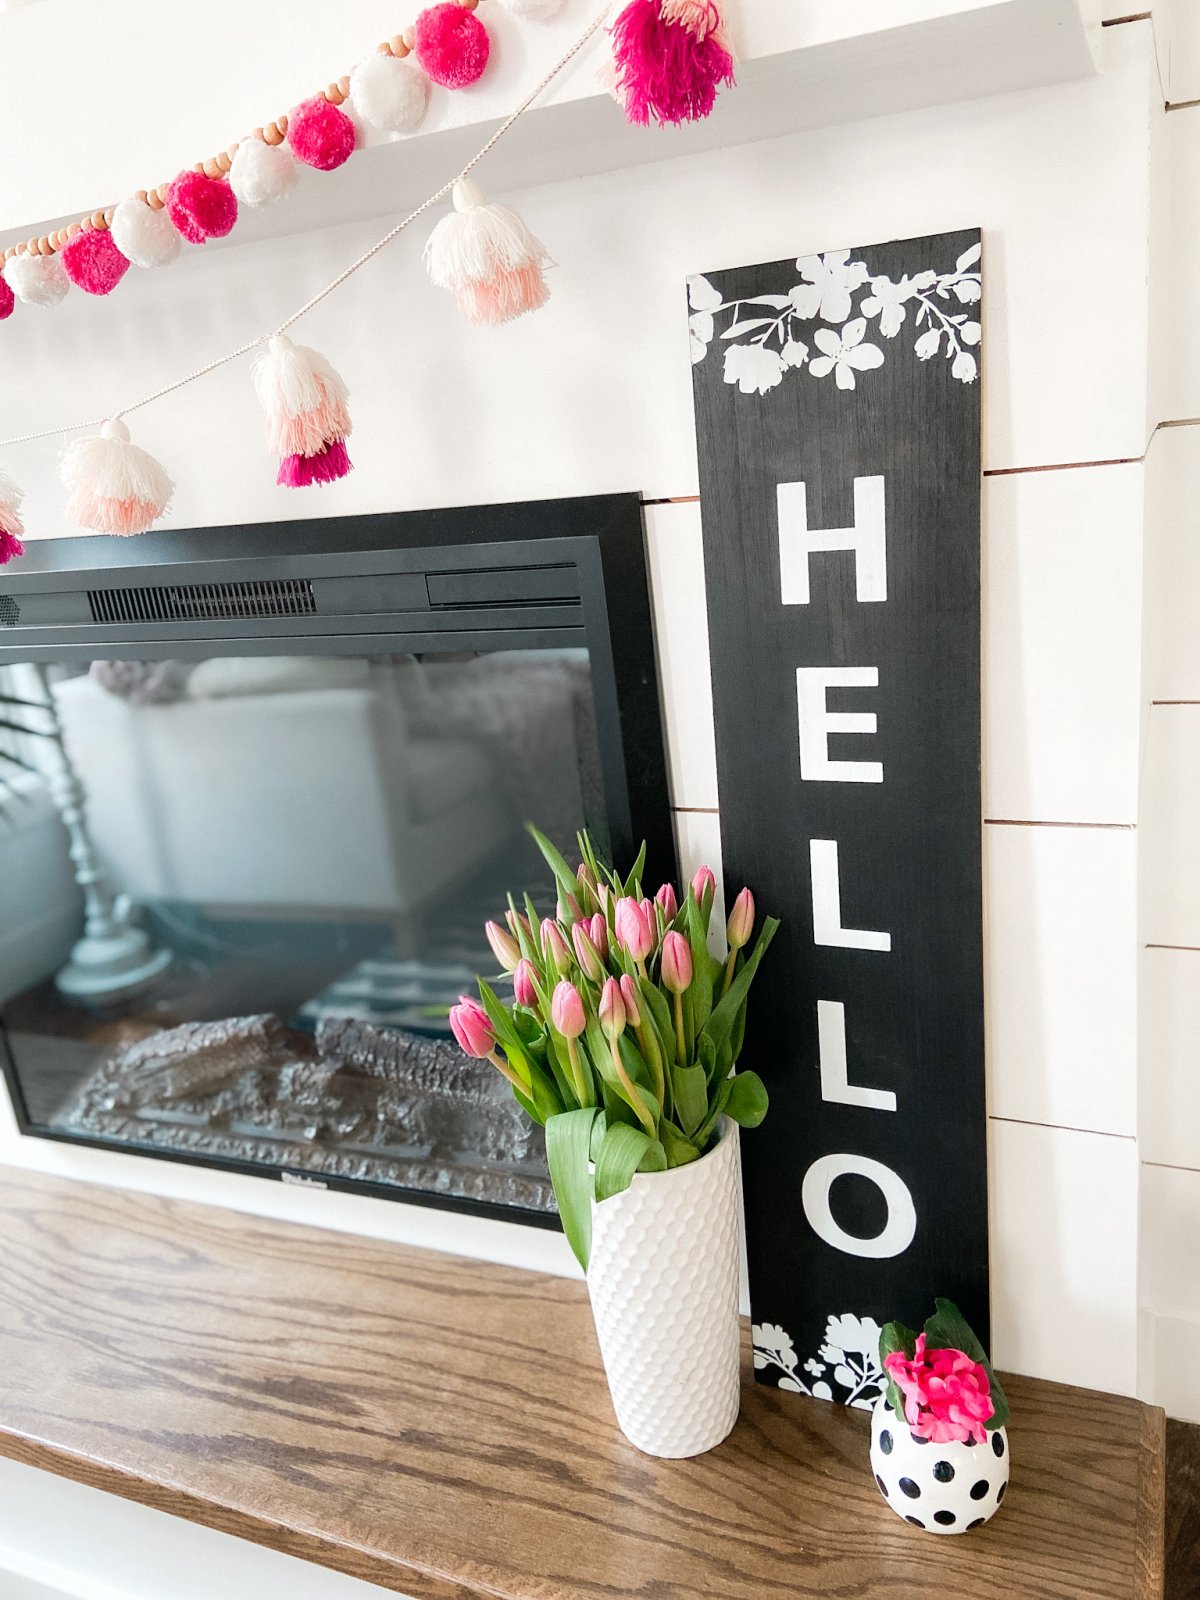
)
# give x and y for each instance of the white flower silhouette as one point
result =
(844, 355)
(700, 330)
(753, 367)
(851, 1347)
(829, 284)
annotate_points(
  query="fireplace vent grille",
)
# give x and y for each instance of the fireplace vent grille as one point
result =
(205, 602)
(10, 611)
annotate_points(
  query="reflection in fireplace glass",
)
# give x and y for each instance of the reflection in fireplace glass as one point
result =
(238, 896)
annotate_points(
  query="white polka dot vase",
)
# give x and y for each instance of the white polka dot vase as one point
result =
(663, 1277)
(943, 1488)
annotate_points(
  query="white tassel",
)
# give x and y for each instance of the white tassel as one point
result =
(11, 525)
(262, 173)
(36, 280)
(533, 10)
(389, 93)
(115, 487)
(148, 237)
(487, 256)
(307, 417)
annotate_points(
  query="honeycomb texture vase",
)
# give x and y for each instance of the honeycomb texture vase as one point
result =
(663, 1279)
(943, 1488)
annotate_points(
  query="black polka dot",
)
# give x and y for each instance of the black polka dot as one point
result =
(916, 1522)
(885, 1442)
(943, 1472)
(1000, 1493)
(978, 1523)
(917, 1439)
(908, 1487)
(946, 1518)
(978, 1490)
(997, 1444)
(882, 1486)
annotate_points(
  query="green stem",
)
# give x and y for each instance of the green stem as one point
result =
(653, 1055)
(630, 1088)
(503, 1067)
(582, 1089)
(679, 1036)
(729, 966)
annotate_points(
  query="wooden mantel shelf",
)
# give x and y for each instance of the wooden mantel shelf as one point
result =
(441, 1427)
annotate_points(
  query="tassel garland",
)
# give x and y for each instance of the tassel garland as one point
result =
(488, 258)
(91, 259)
(262, 173)
(307, 419)
(390, 94)
(11, 526)
(36, 280)
(114, 486)
(147, 237)
(671, 57)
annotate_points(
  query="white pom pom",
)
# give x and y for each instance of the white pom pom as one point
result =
(36, 280)
(262, 173)
(390, 94)
(146, 236)
(115, 487)
(533, 10)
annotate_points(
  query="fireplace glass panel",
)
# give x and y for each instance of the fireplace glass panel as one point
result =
(293, 857)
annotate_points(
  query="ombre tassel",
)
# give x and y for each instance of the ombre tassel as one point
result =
(488, 258)
(115, 487)
(11, 526)
(307, 419)
(671, 57)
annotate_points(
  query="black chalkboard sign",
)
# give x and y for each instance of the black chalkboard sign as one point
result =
(837, 406)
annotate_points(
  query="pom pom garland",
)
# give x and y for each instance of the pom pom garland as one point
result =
(307, 419)
(201, 208)
(671, 58)
(262, 173)
(451, 44)
(487, 256)
(36, 280)
(8, 300)
(390, 94)
(11, 526)
(114, 486)
(320, 134)
(91, 259)
(146, 236)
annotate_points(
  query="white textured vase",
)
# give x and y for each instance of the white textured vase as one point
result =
(663, 1279)
(943, 1488)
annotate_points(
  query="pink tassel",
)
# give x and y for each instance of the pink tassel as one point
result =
(11, 526)
(671, 57)
(328, 465)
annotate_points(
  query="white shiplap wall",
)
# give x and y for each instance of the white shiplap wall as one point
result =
(594, 394)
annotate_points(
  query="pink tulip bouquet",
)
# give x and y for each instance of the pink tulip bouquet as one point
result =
(623, 1030)
(940, 1382)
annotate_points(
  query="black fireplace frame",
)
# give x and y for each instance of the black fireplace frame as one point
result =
(536, 574)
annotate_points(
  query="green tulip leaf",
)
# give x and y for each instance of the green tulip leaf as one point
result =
(568, 1151)
(679, 1150)
(700, 992)
(896, 1337)
(633, 881)
(747, 1101)
(720, 1024)
(624, 1151)
(691, 1097)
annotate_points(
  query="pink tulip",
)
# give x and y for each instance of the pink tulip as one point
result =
(586, 953)
(566, 1010)
(633, 929)
(741, 920)
(568, 909)
(470, 1025)
(633, 1013)
(647, 906)
(599, 932)
(587, 887)
(666, 899)
(612, 1009)
(676, 963)
(555, 947)
(524, 992)
(504, 947)
(703, 883)
(516, 922)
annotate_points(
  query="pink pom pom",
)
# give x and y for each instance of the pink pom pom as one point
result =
(201, 208)
(7, 300)
(10, 547)
(451, 44)
(92, 261)
(669, 64)
(329, 464)
(321, 135)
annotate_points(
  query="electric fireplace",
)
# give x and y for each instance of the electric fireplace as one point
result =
(260, 787)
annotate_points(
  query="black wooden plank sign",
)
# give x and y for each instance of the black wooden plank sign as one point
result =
(837, 408)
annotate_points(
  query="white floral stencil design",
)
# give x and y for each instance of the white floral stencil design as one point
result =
(849, 1359)
(770, 335)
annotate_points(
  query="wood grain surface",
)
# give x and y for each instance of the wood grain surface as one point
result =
(441, 1427)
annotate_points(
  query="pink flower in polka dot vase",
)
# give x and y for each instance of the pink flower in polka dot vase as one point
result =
(939, 1445)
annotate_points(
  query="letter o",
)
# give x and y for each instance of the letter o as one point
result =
(901, 1223)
